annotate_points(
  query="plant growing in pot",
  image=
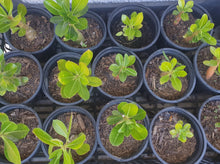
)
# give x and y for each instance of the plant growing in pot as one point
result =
(68, 81)
(68, 135)
(133, 27)
(120, 72)
(75, 33)
(18, 83)
(28, 31)
(18, 143)
(178, 22)
(122, 130)
(169, 77)
(209, 117)
(177, 137)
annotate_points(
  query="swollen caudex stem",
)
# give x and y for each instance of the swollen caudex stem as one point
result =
(30, 34)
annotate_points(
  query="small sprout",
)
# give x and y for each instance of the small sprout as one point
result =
(213, 64)
(58, 148)
(199, 31)
(125, 123)
(11, 132)
(132, 26)
(9, 76)
(217, 124)
(68, 19)
(74, 78)
(182, 132)
(120, 69)
(15, 23)
(172, 73)
(182, 11)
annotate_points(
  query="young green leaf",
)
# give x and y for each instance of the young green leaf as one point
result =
(139, 132)
(3, 117)
(60, 128)
(83, 149)
(78, 142)
(116, 138)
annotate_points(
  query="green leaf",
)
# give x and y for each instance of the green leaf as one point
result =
(71, 89)
(176, 83)
(139, 19)
(84, 69)
(94, 81)
(129, 32)
(179, 125)
(72, 67)
(173, 63)
(138, 33)
(10, 69)
(78, 5)
(120, 33)
(61, 65)
(180, 68)
(181, 73)
(130, 109)
(122, 128)
(61, 28)
(126, 60)
(139, 132)
(8, 126)
(125, 19)
(84, 92)
(189, 4)
(52, 7)
(78, 142)
(21, 10)
(3, 117)
(3, 13)
(185, 16)
(21, 32)
(14, 29)
(83, 80)
(141, 114)
(60, 128)
(193, 27)
(175, 12)
(173, 132)
(114, 119)
(132, 60)
(203, 20)
(65, 77)
(85, 148)
(56, 19)
(116, 138)
(189, 134)
(182, 138)
(130, 72)
(4, 27)
(86, 57)
(217, 53)
(56, 154)
(82, 12)
(210, 62)
(66, 157)
(217, 124)
(115, 69)
(11, 152)
(133, 14)
(164, 79)
(122, 76)
(187, 126)
(181, 3)
(119, 59)
(82, 24)
(43, 136)
(165, 66)
(8, 5)
(57, 142)
(206, 37)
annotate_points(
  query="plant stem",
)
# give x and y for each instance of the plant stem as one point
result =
(30, 32)
(211, 70)
(189, 39)
(70, 125)
(177, 19)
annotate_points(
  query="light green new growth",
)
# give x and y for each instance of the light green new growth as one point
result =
(182, 11)
(200, 31)
(15, 23)
(172, 73)
(217, 124)
(132, 26)
(57, 148)
(182, 132)
(10, 133)
(9, 76)
(68, 18)
(74, 78)
(125, 123)
(120, 69)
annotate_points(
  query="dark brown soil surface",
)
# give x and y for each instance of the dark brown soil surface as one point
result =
(27, 145)
(211, 115)
(45, 33)
(93, 35)
(110, 84)
(81, 123)
(55, 90)
(127, 149)
(205, 54)
(147, 35)
(176, 32)
(29, 69)
(166, 90)
(171, 149)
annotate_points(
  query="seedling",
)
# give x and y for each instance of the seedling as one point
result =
(132, 26)
(172, 73)
(214, 63)
(58, 148)
(74, 78)
(120, 69)
(182, 132)
(182, 11)
(199, 31)
(67, 19)
(10, 133)
(9, 76)
(217, 125)
(125, 123)
(15, 23)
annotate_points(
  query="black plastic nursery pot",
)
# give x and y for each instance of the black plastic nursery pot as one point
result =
(48, 67)
(200, 148)
(48, 122)
(209, 101)
(198, 11)
(141, 148)
(102, 26)
(138, 66)
(20, 54)
(181, 58)
(44, 52)
(9, 108)
(200, 74)
(150, 29)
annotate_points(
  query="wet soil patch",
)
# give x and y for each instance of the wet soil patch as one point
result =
(209, 116)
(176, 32)
(110, 84)
(205, 54)
(171, 149)
(29, 69)
(55, 90)
(44, 30)
(27, 145)
(128, 148)
(166, 90)
(80, 124)
(93, 35)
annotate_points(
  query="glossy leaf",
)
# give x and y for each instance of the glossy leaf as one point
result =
(60, 128)
(78, 142)
(78, 5)
(8, 126)
(85, 148)
(94, 81)
(52, 7)
(139, 132)
(141, 114)
(116, 138)
(176, 83)
(130, 109)
(86, 57)
(84, 92)
(43, 136)
(71, 89)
